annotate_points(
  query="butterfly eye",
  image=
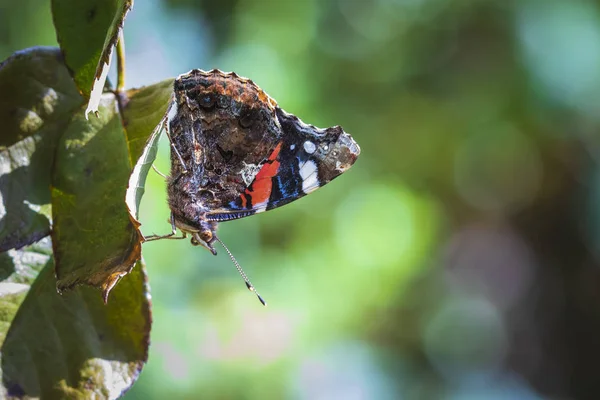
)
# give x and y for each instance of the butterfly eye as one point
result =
(206, 236)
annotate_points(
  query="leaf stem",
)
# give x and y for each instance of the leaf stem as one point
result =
(121, 63)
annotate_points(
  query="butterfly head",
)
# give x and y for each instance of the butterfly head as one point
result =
(205, 239)
(204, 233)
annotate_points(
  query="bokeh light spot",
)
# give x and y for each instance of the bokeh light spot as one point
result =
(561, 46)
(174, 363)
(348, 370)
(497, 168)
(465, 335)
(376, 225)
(491, 261)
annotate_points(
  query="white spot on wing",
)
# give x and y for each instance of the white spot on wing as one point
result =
(261, 207)
(292, 147)
(309, 147)
(308, 173)
(249, 172)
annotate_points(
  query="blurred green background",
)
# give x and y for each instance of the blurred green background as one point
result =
(458, 259)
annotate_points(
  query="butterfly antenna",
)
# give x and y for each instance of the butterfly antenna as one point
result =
(242, 273)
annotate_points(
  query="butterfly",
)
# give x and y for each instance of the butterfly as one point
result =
(236, 153)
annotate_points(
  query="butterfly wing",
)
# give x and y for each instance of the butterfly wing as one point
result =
(305, 159)
(236, 153)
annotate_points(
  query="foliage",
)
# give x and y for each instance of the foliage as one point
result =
(63, 175)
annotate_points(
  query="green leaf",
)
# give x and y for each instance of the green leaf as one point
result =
(143, 112)
(70, 346)
(95, 243)
(74, 346)
(18, 270)
(144, 116)
(87, 32)
(37, 97)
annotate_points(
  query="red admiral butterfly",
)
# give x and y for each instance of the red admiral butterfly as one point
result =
(235, 153)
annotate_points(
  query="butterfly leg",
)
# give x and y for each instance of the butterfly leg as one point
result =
(168, 235)
(160, 173)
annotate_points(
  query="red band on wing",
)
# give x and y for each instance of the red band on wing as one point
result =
(260, 189)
